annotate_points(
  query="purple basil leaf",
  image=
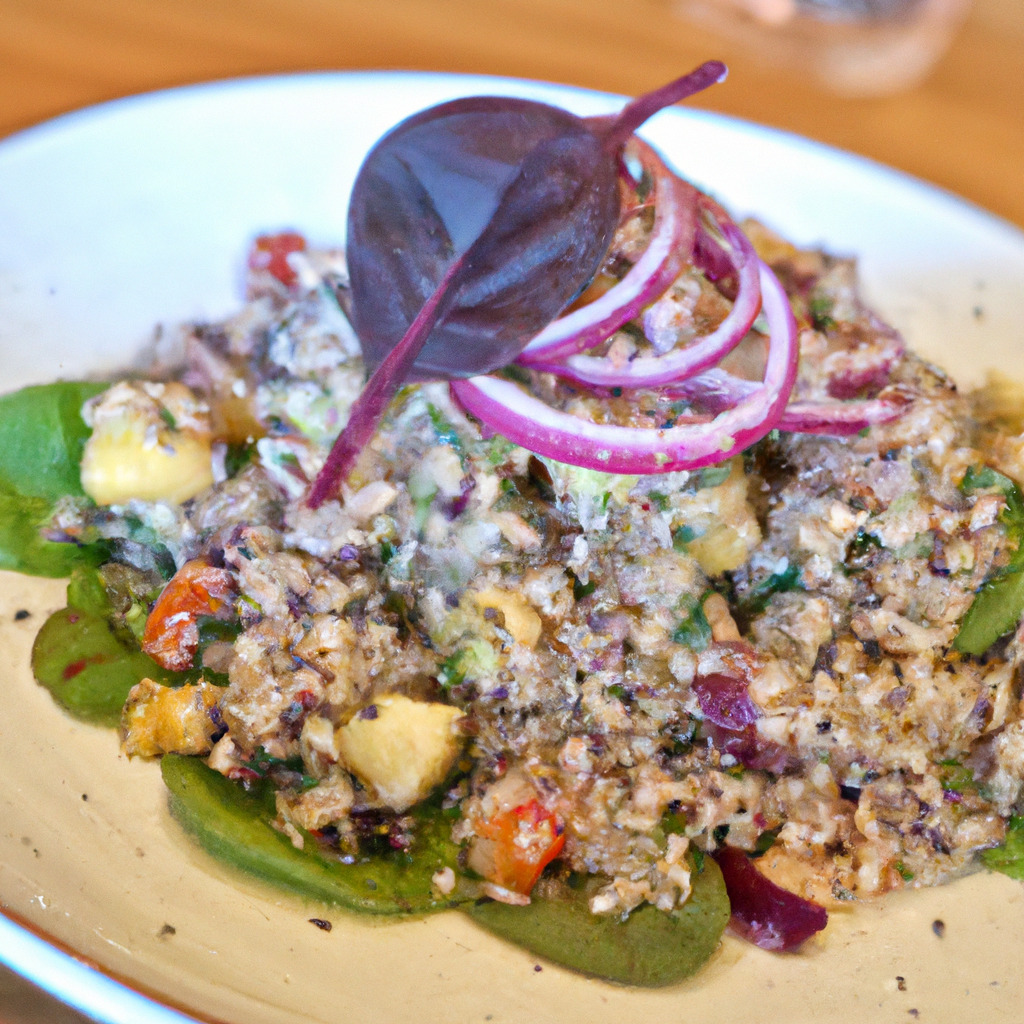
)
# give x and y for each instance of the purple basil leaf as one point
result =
(762, 912)
(521, 192)
(471, 226)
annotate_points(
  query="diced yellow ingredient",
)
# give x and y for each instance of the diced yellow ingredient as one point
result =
(520, 619)
(719, 550)
(169, 720)
(401, 749)
(724, 522)
(149, 441)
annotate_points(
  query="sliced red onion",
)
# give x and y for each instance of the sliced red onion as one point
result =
(668, 250)
(842, 419)
(526, 420)
(716, 390)
(678, 363)
(762, 912)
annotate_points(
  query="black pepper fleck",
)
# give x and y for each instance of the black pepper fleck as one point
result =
(167, 931)
(939, 927)
(901, 983)
(324, 926)
(537, 968)
(21, 614)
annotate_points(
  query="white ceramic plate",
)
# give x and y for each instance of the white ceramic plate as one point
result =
(138, 213)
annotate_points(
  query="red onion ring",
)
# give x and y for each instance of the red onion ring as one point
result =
(717, 390)
(527, 421)
(668, 250)
(679, 363)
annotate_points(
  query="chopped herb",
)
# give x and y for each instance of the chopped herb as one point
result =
(444, 429)
(766, 840)
(694, 631)
(237, 457)
(862, 543)
(681, 537)
(820, 309)
(580, 589)
(956, 778)
(712, 476)
(761, 593)
(498, 450)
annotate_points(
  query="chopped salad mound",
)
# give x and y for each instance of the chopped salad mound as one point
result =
(767, 666)
(591, 675)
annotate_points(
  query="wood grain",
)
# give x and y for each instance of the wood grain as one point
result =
(962, 128)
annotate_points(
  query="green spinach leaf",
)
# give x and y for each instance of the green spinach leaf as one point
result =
(42, 435)
(650, 948)
(1008, 858)
(234, 825)
(999, 604)
(87, 667)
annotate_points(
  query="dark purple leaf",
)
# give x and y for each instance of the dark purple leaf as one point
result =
(762, 912)
(521, 192)
(471, 226)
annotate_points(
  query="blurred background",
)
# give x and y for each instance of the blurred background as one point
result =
(933, 87)
(858, 74)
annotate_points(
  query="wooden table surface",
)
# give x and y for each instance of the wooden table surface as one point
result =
(961, 128)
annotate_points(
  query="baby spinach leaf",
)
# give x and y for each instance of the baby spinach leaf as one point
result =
(42, 435)
(650, 948)
(23, 548)
(234, 825)
(999, 604)
(83, 662)
(994, 612)
(1008, 858)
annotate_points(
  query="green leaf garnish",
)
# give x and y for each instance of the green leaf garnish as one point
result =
(651, 947)
(234, 824)
(42, 435)
(80, 658)
(1008, 858)
(999, 604)
(759, 595)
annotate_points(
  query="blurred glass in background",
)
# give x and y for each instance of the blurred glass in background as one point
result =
(856, 47)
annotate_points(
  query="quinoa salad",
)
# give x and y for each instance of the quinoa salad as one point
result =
(780, 662)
